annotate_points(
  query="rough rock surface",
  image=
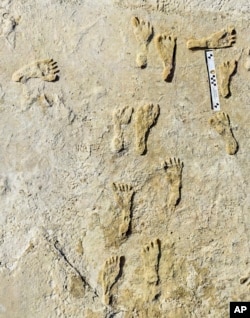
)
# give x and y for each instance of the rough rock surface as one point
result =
(121, 194)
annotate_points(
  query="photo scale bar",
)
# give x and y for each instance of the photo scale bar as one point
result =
(215, 101)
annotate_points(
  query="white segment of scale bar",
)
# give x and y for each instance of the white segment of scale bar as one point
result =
(212, 80)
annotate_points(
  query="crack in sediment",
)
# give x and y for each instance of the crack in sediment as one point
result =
(84, 280)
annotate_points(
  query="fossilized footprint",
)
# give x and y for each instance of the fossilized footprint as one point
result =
(221, 39)
(145, 117)
(173, 167)
(150, 255)
(143, 32)
(123, 196)
(166, 44)
(109, 276)
(226, 70)
(47, 70)
(221, 123)
(121, 117)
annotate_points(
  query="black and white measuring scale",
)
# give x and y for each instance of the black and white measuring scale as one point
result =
(215, 101)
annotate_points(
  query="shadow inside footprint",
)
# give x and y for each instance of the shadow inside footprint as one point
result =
(230, 79)
(57, 77)
(147, 134)
(170, 77)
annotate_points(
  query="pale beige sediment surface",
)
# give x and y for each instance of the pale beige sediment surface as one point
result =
(69, 247)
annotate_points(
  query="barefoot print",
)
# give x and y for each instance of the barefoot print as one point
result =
(221, 39)
(166, 44)
(221, 123)
(173, 167)
(143, 32)
(145, 117)
(121, 117)
(123, 196)
(150, 255)
(226, 70)
(109, 276)
(47, 70)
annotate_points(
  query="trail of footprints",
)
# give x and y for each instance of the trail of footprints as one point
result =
(144, 118)
(165, 44)
(123, 194)
(111, 271)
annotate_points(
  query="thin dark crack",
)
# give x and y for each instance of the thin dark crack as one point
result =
(84, 280)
